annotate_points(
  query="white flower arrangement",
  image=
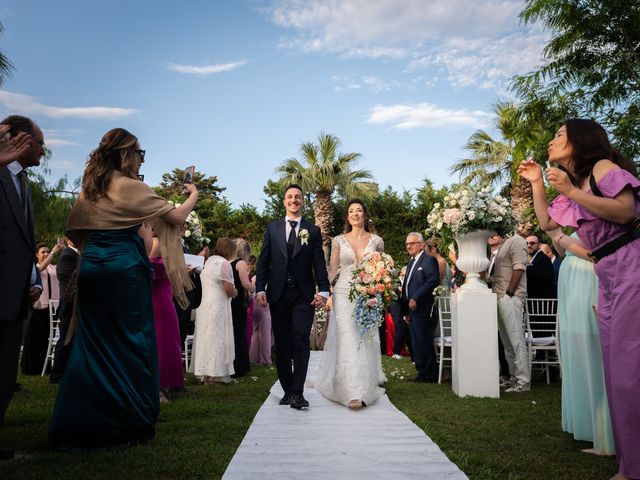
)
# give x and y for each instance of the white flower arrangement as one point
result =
(303, 235)
(194, 227)
(467, 209)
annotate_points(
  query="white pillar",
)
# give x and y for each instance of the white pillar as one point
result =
(476, 368)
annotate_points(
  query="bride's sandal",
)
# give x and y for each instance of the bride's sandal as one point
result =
(356, 404)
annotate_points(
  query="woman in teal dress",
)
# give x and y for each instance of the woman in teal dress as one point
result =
(109, 393)
(585, 410)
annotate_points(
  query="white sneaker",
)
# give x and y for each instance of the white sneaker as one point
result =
(396, 356)
(517, 388)
(506, 382)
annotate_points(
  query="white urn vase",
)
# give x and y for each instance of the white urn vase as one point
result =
(472, 257)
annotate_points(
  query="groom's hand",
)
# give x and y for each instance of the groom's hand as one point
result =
(319, 301)
(262, 299)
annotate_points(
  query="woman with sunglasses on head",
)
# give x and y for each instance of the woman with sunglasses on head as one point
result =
(599, 196)
(109, 394)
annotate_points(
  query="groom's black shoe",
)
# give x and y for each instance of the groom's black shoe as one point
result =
(286, 400)
(298, 401)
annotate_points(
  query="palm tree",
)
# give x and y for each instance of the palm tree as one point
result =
(495, 162)
(324, 172)
(5, 64)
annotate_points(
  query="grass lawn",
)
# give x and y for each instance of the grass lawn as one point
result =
(516, 437)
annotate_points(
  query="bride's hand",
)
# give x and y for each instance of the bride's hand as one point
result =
(530, 170)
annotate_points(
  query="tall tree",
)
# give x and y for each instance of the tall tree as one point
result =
(5, 64)
(325, 172)
(494, 162)
(592, 61)
(171, 185)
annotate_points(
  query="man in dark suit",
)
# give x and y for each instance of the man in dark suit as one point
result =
(65, 268)
(555, 262)
(290, 266)
(421, 279)
(18, 275)
(540, 276)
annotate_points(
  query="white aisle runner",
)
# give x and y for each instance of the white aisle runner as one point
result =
(330, 442)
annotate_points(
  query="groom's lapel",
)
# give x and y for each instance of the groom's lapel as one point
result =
(282, 237)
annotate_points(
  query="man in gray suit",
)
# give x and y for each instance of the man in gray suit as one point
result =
(22, 149)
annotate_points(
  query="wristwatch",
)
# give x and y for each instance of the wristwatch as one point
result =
(509, 293)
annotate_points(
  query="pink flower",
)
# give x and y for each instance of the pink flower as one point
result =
(372, 302)
(451, 215)
(371, 291)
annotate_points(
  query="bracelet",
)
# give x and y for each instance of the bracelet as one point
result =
(561, 237)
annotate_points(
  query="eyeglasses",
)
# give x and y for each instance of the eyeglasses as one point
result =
(532, 243)
(411, 243)
(141, 153)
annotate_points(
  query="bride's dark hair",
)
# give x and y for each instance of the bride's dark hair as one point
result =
(368, 224)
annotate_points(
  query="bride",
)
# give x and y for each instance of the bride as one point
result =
(351, 371)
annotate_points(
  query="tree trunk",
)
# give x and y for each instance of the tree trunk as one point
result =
(323, 211)
(522, 203)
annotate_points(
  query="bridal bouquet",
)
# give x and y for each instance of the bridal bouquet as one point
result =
(466, 209)
(373, 287)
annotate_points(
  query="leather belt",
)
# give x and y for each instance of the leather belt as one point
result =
(613, 245)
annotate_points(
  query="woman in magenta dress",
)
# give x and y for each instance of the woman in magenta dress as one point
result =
(167, 327)
(599, 196)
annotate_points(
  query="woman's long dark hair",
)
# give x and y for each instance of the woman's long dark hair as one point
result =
(368, 225)
(590, 144)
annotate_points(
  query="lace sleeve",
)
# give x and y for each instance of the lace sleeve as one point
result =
(334, 261)
(226, 272)
(378, 244)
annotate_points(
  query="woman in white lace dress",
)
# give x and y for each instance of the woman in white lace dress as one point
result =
(351, 372)
(213, 346)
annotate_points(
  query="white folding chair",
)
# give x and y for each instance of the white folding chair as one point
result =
(54, 335)
(443, 342)
(186, 353)
(541, 316)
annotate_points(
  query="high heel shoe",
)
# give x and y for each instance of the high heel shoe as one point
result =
(356, 404)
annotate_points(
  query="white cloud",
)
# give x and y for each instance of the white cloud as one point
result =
(466, 43)
(205, 69)
(59, 142)
(27, 105)
(426, 115)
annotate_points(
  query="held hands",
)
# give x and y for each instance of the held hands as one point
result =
(412, 305)
(319, 301)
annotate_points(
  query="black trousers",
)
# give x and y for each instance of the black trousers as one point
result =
(36, 341)
(10, 339)
(291, 320)
(402, 335)
(424, 354)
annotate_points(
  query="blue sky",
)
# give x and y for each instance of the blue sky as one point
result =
(235, 86)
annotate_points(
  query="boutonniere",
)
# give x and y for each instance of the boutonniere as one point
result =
(303, 235)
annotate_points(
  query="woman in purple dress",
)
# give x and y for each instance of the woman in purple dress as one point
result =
(167, 327)
(599, 197)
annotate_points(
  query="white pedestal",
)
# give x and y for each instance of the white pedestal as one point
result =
(475, 343)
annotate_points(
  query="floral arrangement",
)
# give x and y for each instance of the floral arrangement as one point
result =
(373, 287)
(466, 209)
(303, 235)
(193, 234)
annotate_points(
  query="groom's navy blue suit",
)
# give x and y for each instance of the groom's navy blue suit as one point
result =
(424, 279)
(289, 277)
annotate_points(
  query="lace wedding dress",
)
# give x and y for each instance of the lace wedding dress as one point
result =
(351, 368)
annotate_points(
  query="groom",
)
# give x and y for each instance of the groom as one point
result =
(290, 266)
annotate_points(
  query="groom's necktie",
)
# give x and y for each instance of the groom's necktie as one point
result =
(291, 241)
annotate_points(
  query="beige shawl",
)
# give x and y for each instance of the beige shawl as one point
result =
(129, 202)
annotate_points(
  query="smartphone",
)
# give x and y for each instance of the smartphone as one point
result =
(61, 240)
(188, 174)
(140, 177)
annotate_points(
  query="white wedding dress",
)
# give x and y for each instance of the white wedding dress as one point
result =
(213, 347)
(351, 369)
